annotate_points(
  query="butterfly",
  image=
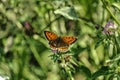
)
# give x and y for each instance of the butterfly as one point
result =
(57, 43)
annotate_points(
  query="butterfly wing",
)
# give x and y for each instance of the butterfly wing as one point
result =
(63, 49)
(50, 35)
(59, 49)
(69, 39)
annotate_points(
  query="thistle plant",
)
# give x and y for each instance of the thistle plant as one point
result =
(110, 38)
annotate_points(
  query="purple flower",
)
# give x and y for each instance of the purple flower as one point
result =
(109, 28)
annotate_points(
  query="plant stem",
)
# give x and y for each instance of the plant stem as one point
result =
(108, 9)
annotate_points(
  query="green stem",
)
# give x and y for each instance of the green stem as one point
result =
(69, 74)
(108, 9)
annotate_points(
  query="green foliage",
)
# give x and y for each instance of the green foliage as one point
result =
(25, 53)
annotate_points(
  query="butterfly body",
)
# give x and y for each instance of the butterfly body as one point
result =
(59, 44)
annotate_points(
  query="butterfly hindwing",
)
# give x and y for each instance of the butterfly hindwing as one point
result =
(50, 35)
(69, 39)
(60, 49)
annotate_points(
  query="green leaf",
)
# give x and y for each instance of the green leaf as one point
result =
(117, 5)
(114, 77)
(85, 70)
(114, 62)
(99, 43)
(103, 71)
(68, 12)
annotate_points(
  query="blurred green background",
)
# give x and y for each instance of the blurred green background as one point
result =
(24, 50)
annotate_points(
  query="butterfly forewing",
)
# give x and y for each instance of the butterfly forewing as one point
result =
(50, 35)
(69, 39)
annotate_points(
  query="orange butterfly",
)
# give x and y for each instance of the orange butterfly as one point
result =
(59, 44)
